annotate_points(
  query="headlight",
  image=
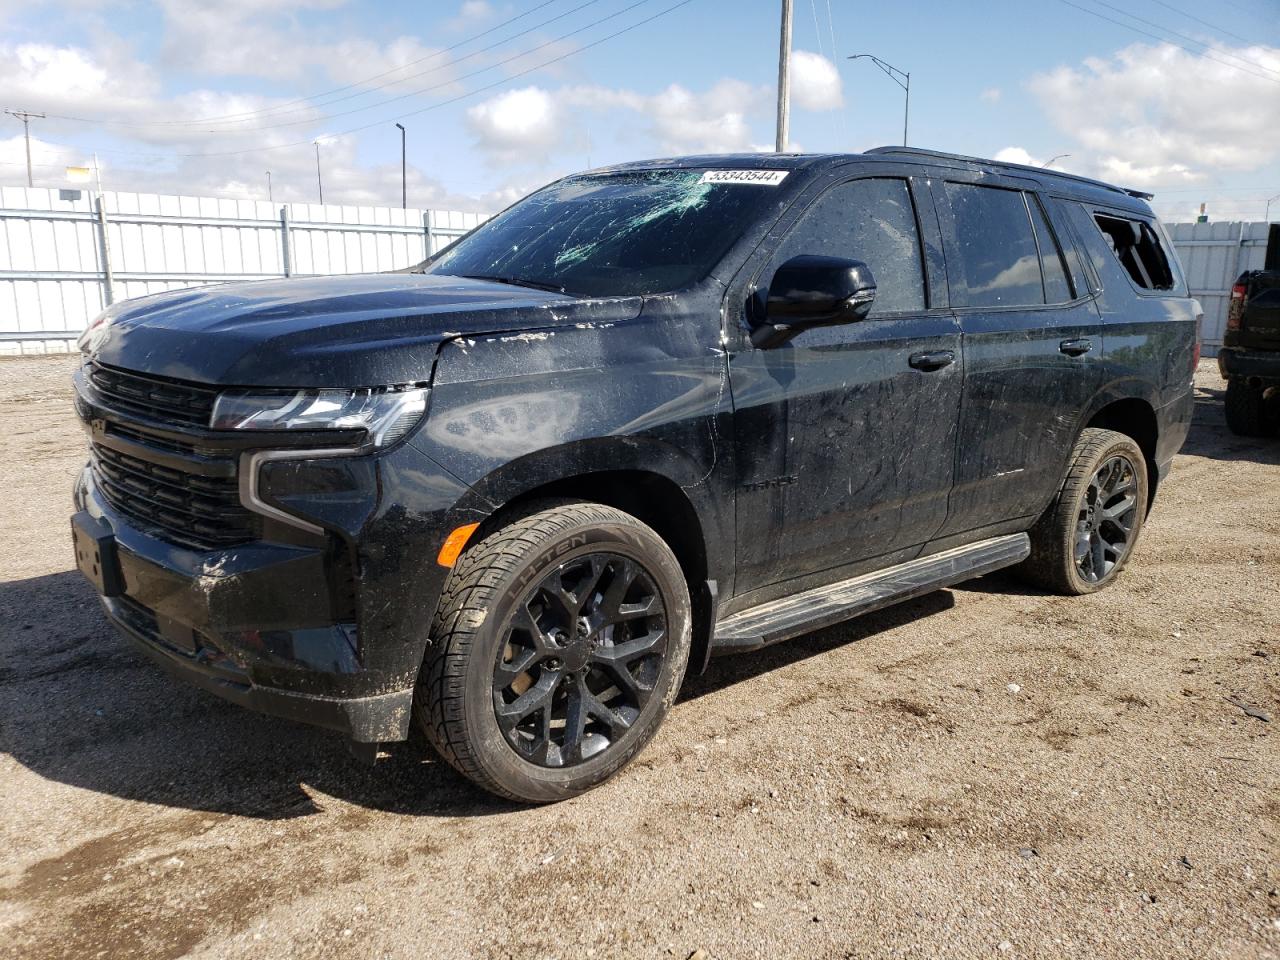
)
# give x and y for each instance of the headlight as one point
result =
(387, 413)
(93, 334)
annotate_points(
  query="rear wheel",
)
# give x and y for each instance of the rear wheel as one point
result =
(1084, 539)
(1247, 409)
(560, 644)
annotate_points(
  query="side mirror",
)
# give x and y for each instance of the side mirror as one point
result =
(814, 292)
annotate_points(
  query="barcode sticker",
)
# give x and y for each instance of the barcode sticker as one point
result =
(759, 178)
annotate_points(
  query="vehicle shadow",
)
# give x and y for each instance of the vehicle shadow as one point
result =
(1210, 437)
(726, 671)
(78, 705)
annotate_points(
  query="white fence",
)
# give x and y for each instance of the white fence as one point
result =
(63, 257)
(1213, 255)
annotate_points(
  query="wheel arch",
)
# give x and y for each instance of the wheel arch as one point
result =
(1136, 418)
(684, 515)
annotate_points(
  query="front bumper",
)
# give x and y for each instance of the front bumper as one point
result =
(1239, 362)
(252, 624)
(327, 626)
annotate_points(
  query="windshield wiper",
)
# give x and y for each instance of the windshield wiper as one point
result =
(520, 282)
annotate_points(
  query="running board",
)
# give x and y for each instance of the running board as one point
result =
(789, 617)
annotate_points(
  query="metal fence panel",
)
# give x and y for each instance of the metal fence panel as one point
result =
(53, 264)
(1213, 255)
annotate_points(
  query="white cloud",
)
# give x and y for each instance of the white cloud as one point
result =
(1156, 113)
(471, 12)
(815, 82)
(681, 120)
(991, 95)
(516, 122)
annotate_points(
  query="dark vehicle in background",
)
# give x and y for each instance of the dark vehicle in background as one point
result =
(1249, 359)
(647, 415)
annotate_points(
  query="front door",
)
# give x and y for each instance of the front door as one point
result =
(845, 436)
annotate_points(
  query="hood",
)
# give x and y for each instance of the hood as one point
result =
(348, 331)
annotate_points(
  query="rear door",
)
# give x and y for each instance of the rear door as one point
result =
(845, 435)
(1033, 350)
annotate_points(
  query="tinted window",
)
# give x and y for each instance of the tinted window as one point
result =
(612, 235)
(999, 262)
(872, 221)
(1056, 287)
(1138, 249)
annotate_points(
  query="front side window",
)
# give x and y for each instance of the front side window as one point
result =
(869, 220)
(622, 234)
(999, 262)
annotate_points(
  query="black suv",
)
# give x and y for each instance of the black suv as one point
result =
(647, 415)
(1250, 356)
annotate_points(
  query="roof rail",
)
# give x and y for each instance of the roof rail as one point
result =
(939, 155)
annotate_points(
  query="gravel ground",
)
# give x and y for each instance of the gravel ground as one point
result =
(987, 771)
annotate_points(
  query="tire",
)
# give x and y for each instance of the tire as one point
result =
(507, 635)
(1246, 408)
(1065, 553)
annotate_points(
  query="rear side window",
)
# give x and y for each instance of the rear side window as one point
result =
(1057, 288)
(869, 220)
(1137, 247)
(999, 260)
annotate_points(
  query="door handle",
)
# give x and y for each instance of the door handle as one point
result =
(1075, 348)
(934, 360)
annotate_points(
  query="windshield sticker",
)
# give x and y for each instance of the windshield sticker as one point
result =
(759, 178)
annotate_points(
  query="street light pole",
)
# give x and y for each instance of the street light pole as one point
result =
(900, 77)
(1270, 200)
(270, 196)
(404, 190)
(1048, 163)
(784, 79)
(319, 182)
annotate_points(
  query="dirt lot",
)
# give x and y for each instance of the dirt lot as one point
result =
(988, 771)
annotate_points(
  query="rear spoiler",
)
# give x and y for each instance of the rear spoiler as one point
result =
(1141, 195)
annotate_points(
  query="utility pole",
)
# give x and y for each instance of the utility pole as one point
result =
(270, 196)
(899, 77)
(404, 190)
(319, 182)
(784, 79)
(26, 119)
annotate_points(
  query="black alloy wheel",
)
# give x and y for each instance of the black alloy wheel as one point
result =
(582, 653)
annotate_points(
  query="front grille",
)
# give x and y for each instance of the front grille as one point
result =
(185, 508)
(168, 401)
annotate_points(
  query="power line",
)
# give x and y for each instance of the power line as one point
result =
(1192, 16)
(1145, 33)
(1183, 36)
(377, 76)
(322, 118)
(817, 30)
(413, 113)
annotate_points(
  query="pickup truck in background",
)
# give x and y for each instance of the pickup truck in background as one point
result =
(1250, 356)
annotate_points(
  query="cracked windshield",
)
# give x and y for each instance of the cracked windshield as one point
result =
(611, 235)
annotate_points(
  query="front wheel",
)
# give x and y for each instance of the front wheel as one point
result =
(1084, 539)
(559, 646)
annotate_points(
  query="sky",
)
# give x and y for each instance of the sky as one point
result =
(498, 97)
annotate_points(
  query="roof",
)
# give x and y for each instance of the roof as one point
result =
(799, 161)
